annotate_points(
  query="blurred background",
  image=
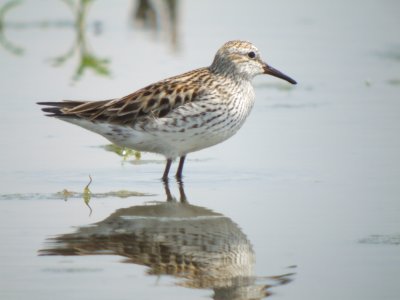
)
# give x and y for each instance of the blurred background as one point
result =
(302, 202)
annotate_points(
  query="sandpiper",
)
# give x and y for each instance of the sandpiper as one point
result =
(181, 114)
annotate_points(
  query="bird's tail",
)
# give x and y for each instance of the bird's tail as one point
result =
(54, 109)
(72, 108)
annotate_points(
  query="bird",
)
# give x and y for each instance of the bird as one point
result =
(181, 114)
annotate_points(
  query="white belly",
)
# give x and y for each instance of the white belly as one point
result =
(191, 128)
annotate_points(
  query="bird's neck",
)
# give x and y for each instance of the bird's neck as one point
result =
(226, 68)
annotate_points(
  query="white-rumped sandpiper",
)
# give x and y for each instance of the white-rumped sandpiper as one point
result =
(181, 114)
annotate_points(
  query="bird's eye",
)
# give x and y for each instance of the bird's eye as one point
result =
(251, 54)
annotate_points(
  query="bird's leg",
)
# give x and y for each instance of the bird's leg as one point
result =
(166, 170)
(180, 167)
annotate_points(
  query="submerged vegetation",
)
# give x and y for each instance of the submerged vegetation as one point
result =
(125, 153)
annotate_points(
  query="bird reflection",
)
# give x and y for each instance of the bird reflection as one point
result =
(159, 17)
(204, 249)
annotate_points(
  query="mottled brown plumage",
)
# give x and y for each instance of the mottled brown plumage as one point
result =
(155, 101)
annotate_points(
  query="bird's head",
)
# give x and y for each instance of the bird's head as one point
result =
(242, 59)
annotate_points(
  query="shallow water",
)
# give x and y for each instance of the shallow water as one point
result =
(301, 203)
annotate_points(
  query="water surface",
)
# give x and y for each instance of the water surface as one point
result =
(301, 203)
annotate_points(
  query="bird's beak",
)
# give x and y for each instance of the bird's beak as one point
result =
(274, 72)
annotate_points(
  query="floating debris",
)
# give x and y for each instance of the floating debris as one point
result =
(389, 239)
(66, 194)
(394, 81)
(87, 195)
(393, 53)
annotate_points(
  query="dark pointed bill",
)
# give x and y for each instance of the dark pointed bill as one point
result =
(274, 72)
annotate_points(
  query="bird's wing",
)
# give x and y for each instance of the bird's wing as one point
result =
(156, 100)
